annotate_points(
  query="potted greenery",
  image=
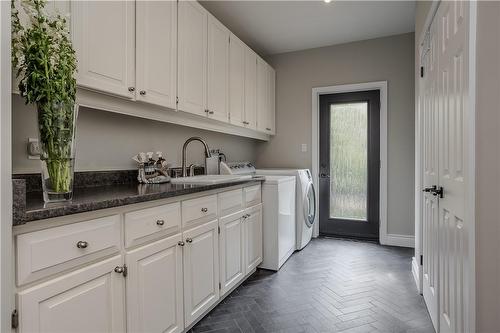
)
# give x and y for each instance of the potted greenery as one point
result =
(45, 61)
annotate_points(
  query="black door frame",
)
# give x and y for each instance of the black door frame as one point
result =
(346, 227)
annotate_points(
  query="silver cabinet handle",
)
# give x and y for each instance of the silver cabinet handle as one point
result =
(180, 243)
(206, 110)
(268, 129)
(248, 215)
(142, 92)
(246, 123)
(204, 209)
(210, 112)
(160, 222)
(189, 240)
(131, 89)
(119, 269)
(82, 244)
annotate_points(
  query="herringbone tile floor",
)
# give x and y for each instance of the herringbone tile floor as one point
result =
(332, 285)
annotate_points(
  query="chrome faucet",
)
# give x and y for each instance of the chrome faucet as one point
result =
(207, 153)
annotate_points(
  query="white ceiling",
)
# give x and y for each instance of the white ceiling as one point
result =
(272, 27)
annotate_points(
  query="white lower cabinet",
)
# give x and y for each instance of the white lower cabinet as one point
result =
(232, 248)
(201, 270)
(154, 287)
(86, 300)
(163, 281)
(253, 238)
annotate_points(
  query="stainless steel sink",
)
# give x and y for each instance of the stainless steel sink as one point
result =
(210, 179)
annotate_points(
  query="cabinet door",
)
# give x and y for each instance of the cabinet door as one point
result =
(87, 300)
(253, 238)
(103, 34)
(237, 81)
(154, 287)
(218, 70)
(250, 88)
(232, 248)
(201, 270)
(272, 101)
(192, 70)
(156, 51)
(263, 96)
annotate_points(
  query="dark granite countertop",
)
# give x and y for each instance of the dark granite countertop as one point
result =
(93, 198)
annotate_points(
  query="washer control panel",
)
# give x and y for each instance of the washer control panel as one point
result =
(237, 168)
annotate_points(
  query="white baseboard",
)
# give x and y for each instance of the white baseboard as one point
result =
(415, 270)
(399, 240)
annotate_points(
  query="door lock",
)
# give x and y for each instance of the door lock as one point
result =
(439, 192)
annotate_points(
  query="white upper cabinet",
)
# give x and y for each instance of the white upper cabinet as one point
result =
(154, 287)
(192, 70)
(265, 102)
(218, 70)
(250, 88)
(172, 54)
(103, 34)
(156, 52)
(237, 81)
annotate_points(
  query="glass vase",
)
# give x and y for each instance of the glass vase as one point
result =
(56, 134)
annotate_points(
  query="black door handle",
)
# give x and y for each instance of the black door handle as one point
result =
(430, 189)
(324, 175)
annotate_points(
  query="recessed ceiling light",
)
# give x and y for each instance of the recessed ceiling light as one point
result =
(327, 1)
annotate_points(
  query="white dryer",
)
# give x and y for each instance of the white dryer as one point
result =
(305, 202)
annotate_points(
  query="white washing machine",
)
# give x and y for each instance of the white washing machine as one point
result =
(305, 202)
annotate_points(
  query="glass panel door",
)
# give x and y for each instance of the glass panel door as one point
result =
(349, 160)
(349, 164)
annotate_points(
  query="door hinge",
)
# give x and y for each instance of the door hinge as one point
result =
(220, 286)
(125, 271)
(421, 260)
(218, 230)
(14, 322)
(421, 71)
(176, 99)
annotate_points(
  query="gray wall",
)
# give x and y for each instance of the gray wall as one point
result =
(107, 141)
(389, 58)
(488, 167)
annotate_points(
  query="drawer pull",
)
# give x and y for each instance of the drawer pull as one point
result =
(189, 240)
(204, 209)
(180, 243)
(82, 244)
(160, 222)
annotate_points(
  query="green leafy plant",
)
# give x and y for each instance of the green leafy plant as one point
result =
(45, 61)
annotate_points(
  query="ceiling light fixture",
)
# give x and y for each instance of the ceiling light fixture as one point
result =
(327, 1)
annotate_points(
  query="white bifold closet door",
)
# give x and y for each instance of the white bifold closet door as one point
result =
(446, 231)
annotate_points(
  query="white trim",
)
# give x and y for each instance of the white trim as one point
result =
(400, 240)
(470, 207)
(415, 270)
(316, 93)
(6, 262)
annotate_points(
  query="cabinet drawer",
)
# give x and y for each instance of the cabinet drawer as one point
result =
(151, 223)
(49, 251)
(252, 195)
(199, 210)
(230, 202)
